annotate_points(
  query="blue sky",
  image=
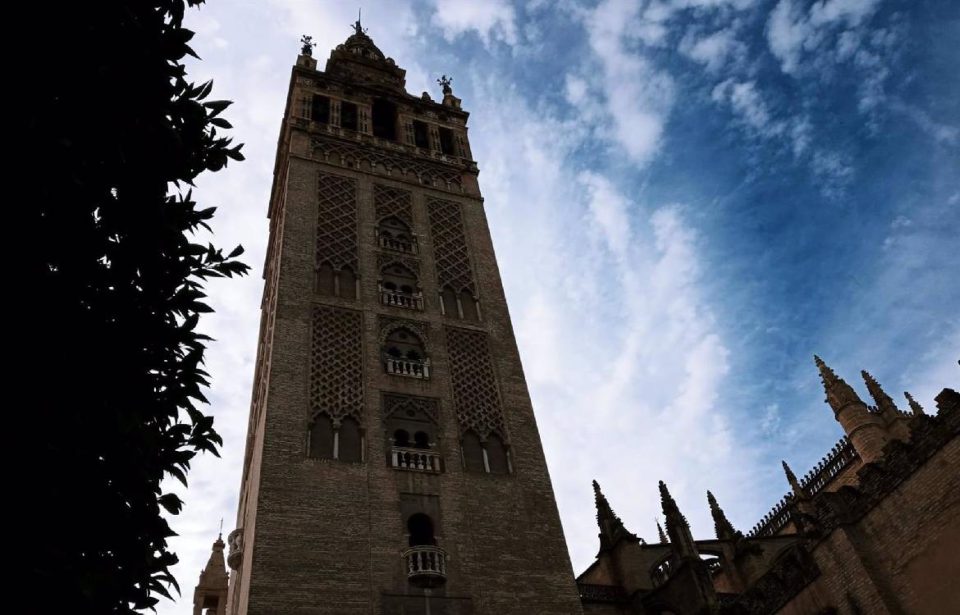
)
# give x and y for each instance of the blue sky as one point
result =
(688, 199)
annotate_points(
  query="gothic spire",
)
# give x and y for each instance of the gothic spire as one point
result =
(839, 393)
(612, 529)
(722, 526)
(914, 406)
(884, 402)
(798, 489)
(660, 534)
(214, 579)
(677, 527)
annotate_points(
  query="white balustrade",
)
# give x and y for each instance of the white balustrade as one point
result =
(410, 301)
(416, 459)
(391, 243)
(426, 564)
(411, 368)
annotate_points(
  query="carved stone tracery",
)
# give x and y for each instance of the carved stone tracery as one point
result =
(403, 404)
(403, 165)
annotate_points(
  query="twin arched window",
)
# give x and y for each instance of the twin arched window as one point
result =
(490, 456)
(336, 283)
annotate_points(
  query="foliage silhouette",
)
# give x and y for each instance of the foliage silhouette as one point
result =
(117, 135)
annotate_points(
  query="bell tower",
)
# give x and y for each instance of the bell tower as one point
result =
(393, 463)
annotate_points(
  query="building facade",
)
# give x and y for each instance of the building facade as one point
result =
(873, 529)
(393, 463)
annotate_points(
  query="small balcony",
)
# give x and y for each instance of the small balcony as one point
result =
(411, 368)
(396, 298)
(407, 246)
(426, 565)
(415, 459)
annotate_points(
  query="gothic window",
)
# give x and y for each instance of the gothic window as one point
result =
(421, 134)
(399, 287)
(394, 234)
(469, 307)
(384, 119)
(448, 302)
(348, 115)
(472, 452)
(320, 109)
(404, 354)
(421, 439)
(411, 431)
(447, 142)
(350, 441)
(321, 437)
(347, 283)
(496, 455)
(420, 530)
(326, 283)
(401, 438)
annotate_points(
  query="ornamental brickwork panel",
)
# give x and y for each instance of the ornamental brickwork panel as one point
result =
(450, 246)
(392, 202)
(336, 365)
(408, 406)
(337, 221)
(475, 393)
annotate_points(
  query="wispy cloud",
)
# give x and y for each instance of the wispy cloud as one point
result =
(491, 20)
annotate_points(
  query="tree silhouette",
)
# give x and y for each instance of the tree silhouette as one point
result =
(114, 364)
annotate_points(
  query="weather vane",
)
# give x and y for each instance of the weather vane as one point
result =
(308, 44)
(357, 28)
(445, 82)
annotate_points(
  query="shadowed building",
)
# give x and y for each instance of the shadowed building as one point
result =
(874, 528)
(393, 463)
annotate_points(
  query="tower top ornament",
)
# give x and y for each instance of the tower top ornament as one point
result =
(357, 28)
(308, 44)
(445, 82)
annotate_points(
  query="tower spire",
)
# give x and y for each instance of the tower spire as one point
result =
(612, 529)
(884, 402)
(214, 580)
(677, 527)
(661, 534)
(865, 429)
(839, 393)
(721, 525)
(915, 407)
(798, 489)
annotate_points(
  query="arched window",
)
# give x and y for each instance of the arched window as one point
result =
(404, 354)
(321, 437)
(497, 455)
(420, 529)
(469, 306)
(472, 453)
(384, 116)
(400, 287)
(348, 283)
(448, 299)
(325, 280)
(350, 441)
(401, 437)
(421, 440)
(394, 234)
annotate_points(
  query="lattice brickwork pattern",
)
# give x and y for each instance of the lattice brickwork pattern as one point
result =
(474, 383)
(336, 368)
(401, 404)
(392, 202)
(450, 246)
(337, 221)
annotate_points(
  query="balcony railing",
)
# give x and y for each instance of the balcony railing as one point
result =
(411, 368)
(391, 243)
(426, 565)
(415, 459)
(410, 301)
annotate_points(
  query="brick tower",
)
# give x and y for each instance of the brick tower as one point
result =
(393, 463)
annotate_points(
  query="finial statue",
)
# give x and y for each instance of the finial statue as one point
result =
(445, 82)
(308, 44)
(357, 28)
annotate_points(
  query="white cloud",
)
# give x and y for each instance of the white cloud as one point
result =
(714, 50)
(748, 105)
(638, 96)
(490, 19)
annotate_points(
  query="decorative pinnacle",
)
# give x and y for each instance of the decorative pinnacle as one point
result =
(792, 479)
(660, 533)
(307, 45)
(611, 527)
(445, 82)
(914, 406)
(884, 401)
(722, 526)
(677, 527)
(839, 393)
